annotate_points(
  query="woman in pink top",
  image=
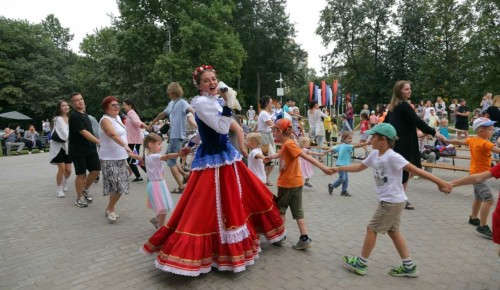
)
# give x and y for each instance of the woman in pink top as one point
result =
(134, 135)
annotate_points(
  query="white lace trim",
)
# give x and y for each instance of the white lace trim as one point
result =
(231, 236)
(204, 270)
(228, 162)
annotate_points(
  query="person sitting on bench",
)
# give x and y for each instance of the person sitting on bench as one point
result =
(31, 139)
(10, 140)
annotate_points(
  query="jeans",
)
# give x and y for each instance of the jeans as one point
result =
(343, 179)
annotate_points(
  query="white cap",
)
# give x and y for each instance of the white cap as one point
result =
(482, 122)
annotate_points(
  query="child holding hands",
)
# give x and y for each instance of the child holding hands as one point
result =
(305, 165)
(159, 198)
(479, 178)
(290, 180)
(256, 157)
(388, 169)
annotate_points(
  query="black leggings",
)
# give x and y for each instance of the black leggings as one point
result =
(131, 161)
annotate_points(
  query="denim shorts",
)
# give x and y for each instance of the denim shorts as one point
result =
(174, 145)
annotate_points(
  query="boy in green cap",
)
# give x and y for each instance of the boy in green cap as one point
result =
(388, 169)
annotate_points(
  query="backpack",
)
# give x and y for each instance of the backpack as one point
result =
(445, 150)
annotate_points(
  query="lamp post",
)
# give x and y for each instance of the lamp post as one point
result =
(279, 91)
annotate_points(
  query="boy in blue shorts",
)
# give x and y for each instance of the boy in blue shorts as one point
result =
(388, 169)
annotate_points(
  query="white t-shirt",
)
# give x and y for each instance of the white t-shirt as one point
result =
(388, 175)
(256, 165)
(261, 123)
(154, 167)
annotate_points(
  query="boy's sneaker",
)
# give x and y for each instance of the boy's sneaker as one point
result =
(302, 245)
(475, 222)
(138, 180)
(330, 188)
(354, 263)
(485, 231)
(345, 193)
(308, 184)
(403, 271)
(81, 202)
(87, 196)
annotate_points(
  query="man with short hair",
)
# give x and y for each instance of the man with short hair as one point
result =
(83, 150)
(9, 138)
(251, 114)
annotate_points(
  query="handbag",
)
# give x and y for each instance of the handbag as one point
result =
(164, 129)
(55, 137)
(320, 129)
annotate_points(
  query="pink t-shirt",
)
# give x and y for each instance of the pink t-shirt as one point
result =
(365, 124)
(133, 124)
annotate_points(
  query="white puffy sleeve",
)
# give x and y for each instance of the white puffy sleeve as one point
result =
(212, 114)
(61, 128)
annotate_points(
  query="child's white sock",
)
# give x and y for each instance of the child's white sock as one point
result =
(408, 262)
(363, 259)
(65, 184)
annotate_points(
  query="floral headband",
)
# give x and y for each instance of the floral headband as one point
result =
(199, 70)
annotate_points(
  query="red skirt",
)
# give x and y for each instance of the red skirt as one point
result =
(216, 223)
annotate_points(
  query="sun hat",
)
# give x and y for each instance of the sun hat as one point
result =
(384, 129)
(482, 122)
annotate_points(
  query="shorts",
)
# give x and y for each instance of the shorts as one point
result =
(86, 163)
(114, 177)
(61, 157)
(290, 197)
(174, 145)
(462, 126)
(387, 217)
(482, 191)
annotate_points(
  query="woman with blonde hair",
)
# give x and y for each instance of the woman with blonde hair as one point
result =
(405, 121)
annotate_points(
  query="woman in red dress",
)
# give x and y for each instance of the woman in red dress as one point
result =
(224, 206)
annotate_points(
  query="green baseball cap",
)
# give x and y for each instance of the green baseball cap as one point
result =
(384, 129)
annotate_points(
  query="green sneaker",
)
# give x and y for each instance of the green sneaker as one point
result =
(354, 264)
(402, 271)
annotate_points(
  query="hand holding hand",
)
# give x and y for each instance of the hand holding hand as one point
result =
(184, 151)
(445, 187)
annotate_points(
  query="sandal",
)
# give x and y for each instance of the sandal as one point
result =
(409, 206)
(177, 190)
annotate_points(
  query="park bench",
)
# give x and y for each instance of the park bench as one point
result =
(445, 166)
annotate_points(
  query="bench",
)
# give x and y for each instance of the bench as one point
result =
(445, 166)
(44, 140)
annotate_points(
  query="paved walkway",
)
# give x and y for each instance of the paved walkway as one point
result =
(48, 243)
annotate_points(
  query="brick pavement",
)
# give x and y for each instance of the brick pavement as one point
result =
(48, 243)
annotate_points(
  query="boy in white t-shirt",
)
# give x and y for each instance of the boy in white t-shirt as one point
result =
(387, 168)
(256, 157)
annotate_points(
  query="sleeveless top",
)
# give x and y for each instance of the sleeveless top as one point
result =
(109, 149)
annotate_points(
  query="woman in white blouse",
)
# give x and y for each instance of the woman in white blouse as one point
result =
(113, 154)
(58, 154)
(316, 126)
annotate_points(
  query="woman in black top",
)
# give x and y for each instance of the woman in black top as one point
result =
(404, 119)
(493, 113)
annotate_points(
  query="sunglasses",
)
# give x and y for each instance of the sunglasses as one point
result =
(115, 105)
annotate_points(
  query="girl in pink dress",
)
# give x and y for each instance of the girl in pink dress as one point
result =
(305, 165)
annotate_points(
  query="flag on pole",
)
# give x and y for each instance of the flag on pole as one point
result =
(328, 95)
(316, 88)
(311, 89)
(339, 94)
(323, 93)
(335, 91)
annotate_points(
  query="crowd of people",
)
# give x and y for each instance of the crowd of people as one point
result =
(226, 200)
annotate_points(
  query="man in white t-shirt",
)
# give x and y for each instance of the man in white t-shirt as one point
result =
(251, 114)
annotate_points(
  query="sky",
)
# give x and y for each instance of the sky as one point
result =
(83, 17)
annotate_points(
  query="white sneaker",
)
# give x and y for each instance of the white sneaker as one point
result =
(60, 193)
(65, 185)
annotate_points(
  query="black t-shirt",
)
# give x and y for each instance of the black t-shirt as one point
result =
(78, 145)
(462, 119)
(494, 113)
